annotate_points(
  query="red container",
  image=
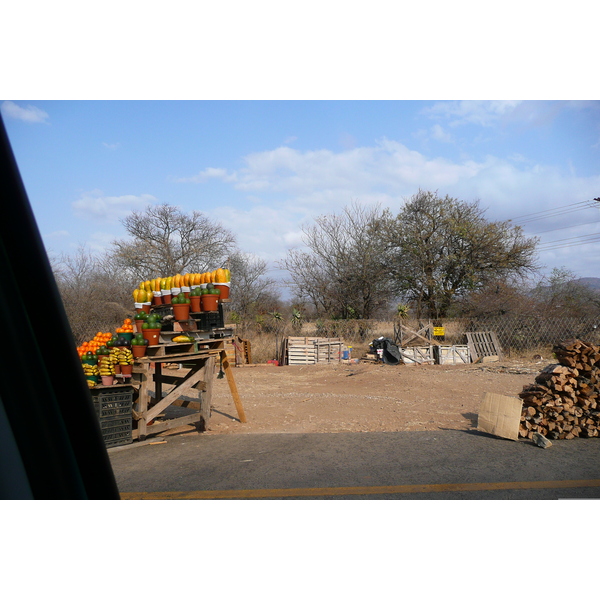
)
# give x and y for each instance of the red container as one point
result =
(152, 335)
(195, 304)
(126, 369)
(210, 302)
(181, 312)
(138, 351)
(224, 287)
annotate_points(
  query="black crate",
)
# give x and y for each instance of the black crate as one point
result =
(206, 321)
(113, 403)
(116, 425)
(117, 435)
(113, 409)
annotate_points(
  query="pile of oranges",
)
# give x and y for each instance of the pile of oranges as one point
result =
(92, 345)
(101, 338)
(127, 327)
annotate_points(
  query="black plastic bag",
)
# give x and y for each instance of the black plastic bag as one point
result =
(390, 354)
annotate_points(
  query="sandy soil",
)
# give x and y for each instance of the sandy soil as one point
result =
(362, 397)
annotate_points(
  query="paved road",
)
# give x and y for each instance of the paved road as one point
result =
(407, 465)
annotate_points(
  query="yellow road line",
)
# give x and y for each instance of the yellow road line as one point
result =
(360, 491)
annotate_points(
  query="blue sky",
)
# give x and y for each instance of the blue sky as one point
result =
(264, 116)
(265, 168)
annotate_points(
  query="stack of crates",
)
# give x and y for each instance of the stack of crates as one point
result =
(113, 409)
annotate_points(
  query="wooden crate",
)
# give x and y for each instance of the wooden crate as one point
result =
(417, 355)
(328, 351)
(452, 355)
(310, 350)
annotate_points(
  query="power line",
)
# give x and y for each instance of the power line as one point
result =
(578, 237)
(535, 214)
(571, 245)
(556, 212)
(567, 227)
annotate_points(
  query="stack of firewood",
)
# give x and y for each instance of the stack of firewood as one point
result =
(564, 401)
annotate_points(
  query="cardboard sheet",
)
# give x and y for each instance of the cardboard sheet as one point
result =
(500, 415)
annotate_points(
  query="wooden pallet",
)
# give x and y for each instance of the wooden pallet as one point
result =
(452, 355)
(310, 350)
(483, 343)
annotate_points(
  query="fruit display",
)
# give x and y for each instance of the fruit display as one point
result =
(127, 327)
(123, 355)
(139, 340)
(180, 299)
(91, 372)
(152, 321)
(183, 339)
(152, 290)
(100, 339)
(106, 365)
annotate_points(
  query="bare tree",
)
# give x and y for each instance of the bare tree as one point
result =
(166, 241)
(252, 292)
(562, 293)
(343, 270)
(443, 248)
(95, 296)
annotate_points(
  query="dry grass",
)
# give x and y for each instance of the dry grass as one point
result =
(359, 334)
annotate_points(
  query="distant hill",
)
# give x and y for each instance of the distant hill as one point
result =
(591, 282)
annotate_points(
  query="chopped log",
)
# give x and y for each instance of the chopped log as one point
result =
(564, 398)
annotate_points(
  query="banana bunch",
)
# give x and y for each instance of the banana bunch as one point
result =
(90, 383)
(114, 355)
(106, 366)
(123, 355)
(90, 370)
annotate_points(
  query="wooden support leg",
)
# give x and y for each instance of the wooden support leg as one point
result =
(142, 403)
(208, 376)
(233, 387)
(157, 381)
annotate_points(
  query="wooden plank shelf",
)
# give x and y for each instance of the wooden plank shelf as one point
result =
(168, 349)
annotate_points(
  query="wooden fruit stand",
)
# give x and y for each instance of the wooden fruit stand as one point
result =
(180, 336)
(189, 386)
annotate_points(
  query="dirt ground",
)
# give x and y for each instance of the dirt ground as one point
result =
(363, 397)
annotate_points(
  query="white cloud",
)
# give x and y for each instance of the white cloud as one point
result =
(59, 234)
(31, 114)
(438, 133)
(389, 167)
(289, 187)
(94, 205)
(208, 173)
(111, 146)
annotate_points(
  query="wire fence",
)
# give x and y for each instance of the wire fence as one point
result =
(522, 333)
(516, 333)
(530, 332)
